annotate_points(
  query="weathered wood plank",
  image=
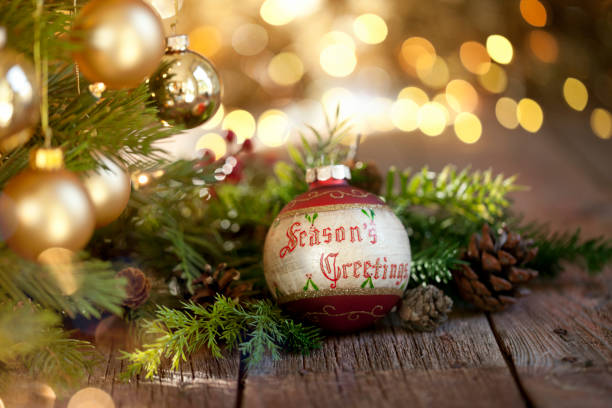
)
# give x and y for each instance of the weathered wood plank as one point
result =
(204, 381)
(457, 365)
(560, 341)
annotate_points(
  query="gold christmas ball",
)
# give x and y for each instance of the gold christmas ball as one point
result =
(109, 189)
(45, 207)
(186, 88)
(123, 42)
(19, 100)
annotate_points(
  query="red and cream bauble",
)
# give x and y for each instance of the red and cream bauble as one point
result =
(337, 255)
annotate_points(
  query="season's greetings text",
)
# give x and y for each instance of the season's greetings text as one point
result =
(332, 269)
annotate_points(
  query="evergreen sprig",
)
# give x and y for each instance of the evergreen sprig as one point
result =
(254, 328)
(434, 264)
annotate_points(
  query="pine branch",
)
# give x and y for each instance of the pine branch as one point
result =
(434, 264)
(255, 328)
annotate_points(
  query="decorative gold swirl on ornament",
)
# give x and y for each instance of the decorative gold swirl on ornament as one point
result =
(328, 310)
(310, 294)
(335, 194)
(332, 207)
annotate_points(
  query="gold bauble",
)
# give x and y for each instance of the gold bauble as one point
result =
(109, 190)
(45, 207)
(123, 42)
(19, 100)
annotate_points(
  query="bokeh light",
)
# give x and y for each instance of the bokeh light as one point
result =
(213, 142)
(505, 112)
(499, 48)
(338, 60)
(277, 12)
(575, 94)
(543, 45)
(216, 119)
(467, 127)
(529, 115)
(59, 262)
(534, 12)
(273, 128)
(205, 40)
(495, 80)
(474, 57)
(461, 96)
(285, 68)
(601, 123)
(241, 122)
(413, 49)
(249, 39)
(449, 113)
(378, 115)
(432, 72)
(405, 114)
(432, 118)
(91, 397)
(370, 28)
(165, 8)
(335, 97)
(415, 94)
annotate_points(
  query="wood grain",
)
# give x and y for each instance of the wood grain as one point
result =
(457, 365)
(560, 341)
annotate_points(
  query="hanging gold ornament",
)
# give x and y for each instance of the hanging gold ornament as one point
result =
(186, 88)
(109, 190)
(19, 100)
(45, 207)
(122, 40)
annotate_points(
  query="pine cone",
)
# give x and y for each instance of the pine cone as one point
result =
(366, 176)
(219, 282)
(137, 289)
(424, 308)
(495, 268)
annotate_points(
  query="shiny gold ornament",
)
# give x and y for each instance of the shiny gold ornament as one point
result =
(109, 190)
(45, 207)
(186, 88)
(19, 100)
(123, 41)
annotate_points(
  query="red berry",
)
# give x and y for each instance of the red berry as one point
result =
(230, 136)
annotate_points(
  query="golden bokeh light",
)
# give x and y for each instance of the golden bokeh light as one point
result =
(449, 113)
(165, 8)
(249, 39)
(474, 57)
(213, 142)
(414, 48)
(575, 94)
(240, 122)
(468, 127)
(432, 118)
(529, 115)
(91, 397)
(432, 72)
(285, 68)
(495, 80)
(543, 45)
(415, 94)
(505, 112)
(277, 12)
(601, 123)
(338, 60)
(337, 38)
(405, 114)
(59, 262)
(216, 119)
(499, 48)
(378, 117)
(461, 96)
(370, 28)
(205, 40)
(534, 12)
(273, 128)
(334, 97)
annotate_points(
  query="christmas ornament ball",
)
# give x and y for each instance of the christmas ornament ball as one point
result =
(186, 88)
(122, 42)
(45, 207)
(109, 188)
(337, 255)
(19, 100)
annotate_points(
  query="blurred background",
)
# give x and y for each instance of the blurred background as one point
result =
(522, 86)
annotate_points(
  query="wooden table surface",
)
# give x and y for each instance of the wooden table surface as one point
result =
(552, 349)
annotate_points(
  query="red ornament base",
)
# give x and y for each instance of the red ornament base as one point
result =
(343, 313)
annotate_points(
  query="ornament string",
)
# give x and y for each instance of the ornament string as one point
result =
(176, 16)
(41, 60)
(76, 66)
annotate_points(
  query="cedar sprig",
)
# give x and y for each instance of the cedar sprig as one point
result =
(254, 328)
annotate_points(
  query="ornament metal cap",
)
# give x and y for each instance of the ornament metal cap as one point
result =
(177, 43)
(47, 158)
(324, 173)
